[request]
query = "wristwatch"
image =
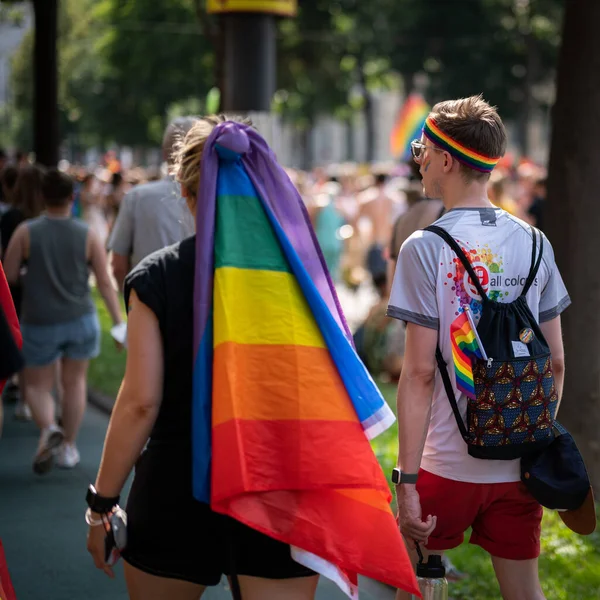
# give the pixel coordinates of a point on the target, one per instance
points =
(398, 477)
(100, 504)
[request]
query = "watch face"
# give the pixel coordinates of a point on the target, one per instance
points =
(396, 476)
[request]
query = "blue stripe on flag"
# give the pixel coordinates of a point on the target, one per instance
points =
(202, 415)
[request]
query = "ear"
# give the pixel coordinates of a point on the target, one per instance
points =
(449, 162)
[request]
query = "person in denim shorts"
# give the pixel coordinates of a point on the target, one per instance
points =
(58, 316)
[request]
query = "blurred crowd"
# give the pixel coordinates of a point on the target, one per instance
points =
(361, 214)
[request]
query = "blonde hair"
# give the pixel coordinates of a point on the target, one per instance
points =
(188, 150)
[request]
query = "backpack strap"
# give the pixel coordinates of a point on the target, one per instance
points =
(535, 264)
(443, 367)
(461, 255)
(441, 363)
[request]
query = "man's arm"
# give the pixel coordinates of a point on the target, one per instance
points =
(415, 392)
(121, 239)
(121, 265)
(552, 331)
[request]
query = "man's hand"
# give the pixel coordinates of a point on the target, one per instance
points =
(409, 518)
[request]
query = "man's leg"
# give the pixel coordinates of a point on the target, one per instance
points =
(518, 579)
(509, 529)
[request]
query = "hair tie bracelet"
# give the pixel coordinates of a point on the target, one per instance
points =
(467, 157)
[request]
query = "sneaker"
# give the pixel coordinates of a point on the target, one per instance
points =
(67, 456)
(11, 392)
(22, 411)
(50, 439)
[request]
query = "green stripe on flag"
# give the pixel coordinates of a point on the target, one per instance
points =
(244, 237)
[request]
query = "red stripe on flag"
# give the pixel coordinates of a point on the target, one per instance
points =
(351, 534)
(258, 456)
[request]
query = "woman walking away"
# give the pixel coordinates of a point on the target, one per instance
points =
(248, 431)
(58, 320)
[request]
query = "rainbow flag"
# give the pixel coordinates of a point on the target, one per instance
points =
(283, 408)
(466, 346)
(408, 126)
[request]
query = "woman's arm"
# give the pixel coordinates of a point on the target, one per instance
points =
(17, 251)
(97, 257)
(138, 400)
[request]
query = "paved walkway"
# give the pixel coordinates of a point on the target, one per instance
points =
(43, 530)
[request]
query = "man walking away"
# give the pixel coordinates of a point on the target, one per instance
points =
(442, 489)
(151, 216)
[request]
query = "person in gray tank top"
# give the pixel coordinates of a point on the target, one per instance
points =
(58, 318)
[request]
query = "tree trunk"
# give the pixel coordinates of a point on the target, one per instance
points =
(307, 149)
(349, 130)
(45, 133)
(369, 114)
(574, 221)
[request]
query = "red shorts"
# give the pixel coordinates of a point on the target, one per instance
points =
(505, 518)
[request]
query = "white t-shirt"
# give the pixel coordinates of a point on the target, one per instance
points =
(430, 285)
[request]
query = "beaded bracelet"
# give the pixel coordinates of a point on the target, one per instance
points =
(91, 521)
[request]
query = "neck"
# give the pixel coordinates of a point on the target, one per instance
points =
(472, 195)
(63, 211)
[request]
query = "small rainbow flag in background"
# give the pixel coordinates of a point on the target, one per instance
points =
(466, 346)
(409, 125)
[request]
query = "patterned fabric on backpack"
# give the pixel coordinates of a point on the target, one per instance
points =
(512, 412)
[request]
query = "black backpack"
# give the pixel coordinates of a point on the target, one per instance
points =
(515, 396)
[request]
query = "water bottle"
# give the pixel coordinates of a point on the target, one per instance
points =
(431, 577)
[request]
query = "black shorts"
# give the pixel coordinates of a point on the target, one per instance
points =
(170, 534)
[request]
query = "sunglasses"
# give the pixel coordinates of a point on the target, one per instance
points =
(417, 149)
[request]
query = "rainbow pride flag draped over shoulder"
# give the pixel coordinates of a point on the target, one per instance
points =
(408, 125)
(283, 408)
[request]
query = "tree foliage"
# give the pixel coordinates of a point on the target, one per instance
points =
(125, 65)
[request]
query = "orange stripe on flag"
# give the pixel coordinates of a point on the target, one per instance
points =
(278, 382)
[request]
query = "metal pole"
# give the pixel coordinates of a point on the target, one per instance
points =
(46, 135)
(250, 61)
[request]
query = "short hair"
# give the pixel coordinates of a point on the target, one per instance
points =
(473, 123)
(57, 188)
(174, 134)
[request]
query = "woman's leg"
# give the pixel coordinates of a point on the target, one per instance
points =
(38, 383)
(143, 586)
(298, 588)
(74, 390)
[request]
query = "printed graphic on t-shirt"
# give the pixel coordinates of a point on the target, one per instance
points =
(487, 266)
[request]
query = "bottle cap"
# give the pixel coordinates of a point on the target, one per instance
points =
(432, 569)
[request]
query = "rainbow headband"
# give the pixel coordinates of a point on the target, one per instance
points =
(467, 157)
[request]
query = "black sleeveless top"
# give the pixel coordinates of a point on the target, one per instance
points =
(164, 281)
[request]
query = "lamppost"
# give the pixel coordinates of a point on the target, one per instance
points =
(250, 61)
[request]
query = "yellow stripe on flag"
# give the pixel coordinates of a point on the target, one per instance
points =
(262, 307)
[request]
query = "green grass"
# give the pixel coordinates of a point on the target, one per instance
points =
(569, 565)
(106, 371)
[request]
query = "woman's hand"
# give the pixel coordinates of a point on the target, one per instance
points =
(95, 545)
